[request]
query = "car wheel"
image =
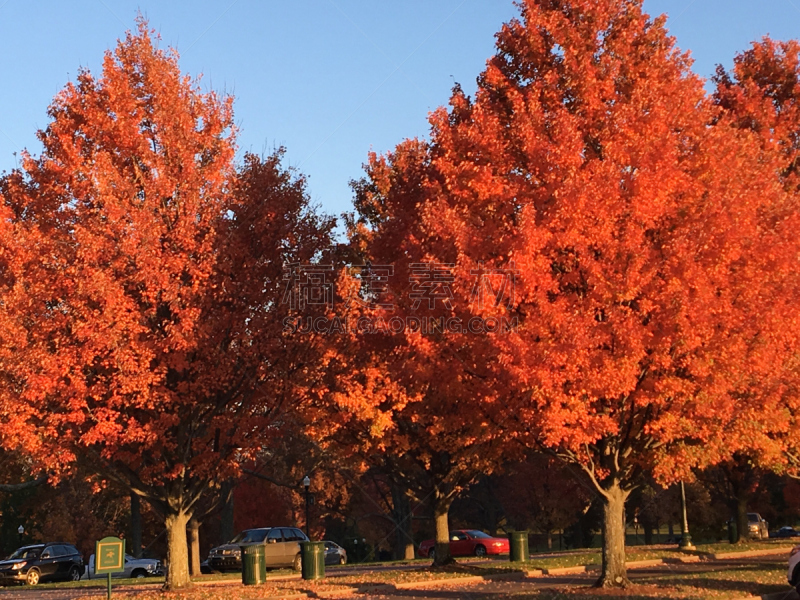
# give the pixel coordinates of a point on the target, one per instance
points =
(74, 574)
(297, 565)
(33, 577)
(139, 574)
(480, 550)
(432, 554)
(796, 578)
(342, 560)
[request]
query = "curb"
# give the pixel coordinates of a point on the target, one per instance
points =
(566, 570)
(677, 560)
(643, 564)
(748, 554)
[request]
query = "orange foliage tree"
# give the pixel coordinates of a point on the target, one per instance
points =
(404, 397)
(761, 95)
(641, 240)
(144, 300)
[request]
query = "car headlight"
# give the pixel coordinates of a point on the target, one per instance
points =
(19, 565)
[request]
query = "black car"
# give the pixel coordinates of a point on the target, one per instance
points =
(52, 561)
(785, 532)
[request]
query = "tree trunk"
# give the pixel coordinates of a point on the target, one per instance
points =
(226, 530)
(614, 573)
(441, 510)
(648, 532)
(177, 551)
(742, 523)
(136, 526)
(193, 531)
(401, 514)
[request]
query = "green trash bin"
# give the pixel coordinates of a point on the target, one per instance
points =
(518, 546)
(732, 533)
(313, 559)
(254, 564)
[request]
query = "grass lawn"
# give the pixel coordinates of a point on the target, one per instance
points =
(745, 546)
(361, 582)
(100, 583)
(587, 558)
(711, 583)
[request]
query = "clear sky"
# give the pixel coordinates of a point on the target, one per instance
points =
(328, 79)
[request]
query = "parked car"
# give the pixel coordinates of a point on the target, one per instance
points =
(677, 539)
(468, 542)
(135, 568)
(335, 554)
(785, 532)
(282, 548)
(794, 568)
(53, 561)
(757, 527)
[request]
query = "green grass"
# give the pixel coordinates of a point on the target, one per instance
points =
(97, 582)
(745, 546)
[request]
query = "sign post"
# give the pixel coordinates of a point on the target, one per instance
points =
(109, 557)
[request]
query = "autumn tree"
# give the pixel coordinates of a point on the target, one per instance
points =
(394, 400)
(642, 242)
(761, 95)
(145, 300)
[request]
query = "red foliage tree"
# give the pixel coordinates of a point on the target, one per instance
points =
(401, 401)
(761, 95)
(148, 300)
(642, 239)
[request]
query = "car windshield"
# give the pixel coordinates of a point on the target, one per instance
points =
(478, 534)
(255, 536)
(752, 517)
(238, 538)
(27, 553)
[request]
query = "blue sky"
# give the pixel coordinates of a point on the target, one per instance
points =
(328, 79)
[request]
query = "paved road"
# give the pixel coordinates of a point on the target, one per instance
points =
(487, 590)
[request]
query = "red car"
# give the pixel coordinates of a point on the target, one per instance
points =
(468, 542)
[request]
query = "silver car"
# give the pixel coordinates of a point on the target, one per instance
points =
(334, 554)
(135, 568)
(281, 548)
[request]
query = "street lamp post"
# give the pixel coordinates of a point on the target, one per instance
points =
(20, 531)
(686, 539)
(306, 485)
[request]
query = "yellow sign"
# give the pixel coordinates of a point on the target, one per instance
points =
(109, 556)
